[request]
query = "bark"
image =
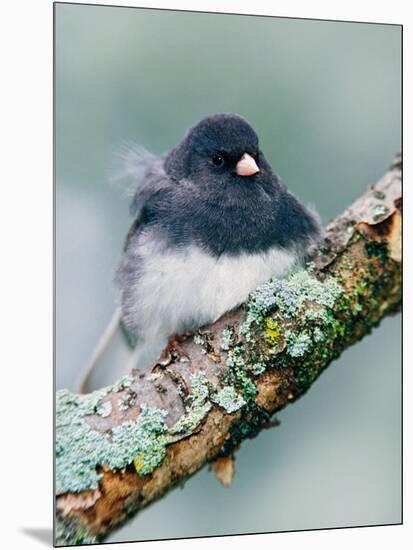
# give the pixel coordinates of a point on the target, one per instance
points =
(122, 447)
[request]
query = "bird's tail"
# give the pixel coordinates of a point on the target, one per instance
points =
(115, 355)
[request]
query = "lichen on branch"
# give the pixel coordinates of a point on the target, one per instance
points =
(122, 447)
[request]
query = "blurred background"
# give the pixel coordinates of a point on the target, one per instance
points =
(324, 97)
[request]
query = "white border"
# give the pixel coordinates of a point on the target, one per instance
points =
(26, 295)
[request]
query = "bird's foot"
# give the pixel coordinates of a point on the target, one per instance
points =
(174, 350)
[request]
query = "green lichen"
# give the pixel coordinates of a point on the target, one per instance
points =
(198, 339)
(312, 314)
(227, 338)
(258, 368)
(73, 436)
(318, 335)
(300, 322)
(122, 383)
(379, 195)
(142, 442)
(235, 358)
(248, 426)
(290, 317)
(285, 324)
(310, 267)
(291, 314)
(205, 339)
(304, 321)
(247, 386)
(288, 296)
(197, 405)
(238, 376)
(199, 387)
(357, 307)
(188, 422)
(298, 344)
(380, 210)
(128, 400)
(80, 449)
(104, 409)
(70, 532)
(229, 399)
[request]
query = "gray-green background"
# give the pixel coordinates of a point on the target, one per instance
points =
(324, 97)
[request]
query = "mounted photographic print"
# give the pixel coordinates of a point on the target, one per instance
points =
(228, 216)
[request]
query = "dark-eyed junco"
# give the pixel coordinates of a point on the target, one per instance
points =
(212, 222)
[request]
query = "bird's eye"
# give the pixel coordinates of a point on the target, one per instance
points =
(217, 160)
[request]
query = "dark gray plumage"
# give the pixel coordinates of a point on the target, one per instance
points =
(211, 222)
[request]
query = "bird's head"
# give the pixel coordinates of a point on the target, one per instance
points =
(220, 150)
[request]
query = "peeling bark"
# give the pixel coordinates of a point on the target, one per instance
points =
(237, 373)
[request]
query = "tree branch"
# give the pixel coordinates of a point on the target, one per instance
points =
(122, 447)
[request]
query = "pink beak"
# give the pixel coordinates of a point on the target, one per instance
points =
(246, 166)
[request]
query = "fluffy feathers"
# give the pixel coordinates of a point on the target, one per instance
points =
(203, 236)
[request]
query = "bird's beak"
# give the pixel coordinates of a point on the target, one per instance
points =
(246, 166)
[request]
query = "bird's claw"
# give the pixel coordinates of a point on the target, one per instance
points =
(174, 350)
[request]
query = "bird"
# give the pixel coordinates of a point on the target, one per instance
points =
(211, 222)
